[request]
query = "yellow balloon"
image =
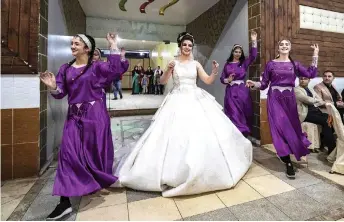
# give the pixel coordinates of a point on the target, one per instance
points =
(162, 9)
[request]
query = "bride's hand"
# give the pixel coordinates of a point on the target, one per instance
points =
(171, 65)
(215, 66)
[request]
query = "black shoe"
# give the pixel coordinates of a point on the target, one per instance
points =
(121, 97)
(61, 210)
(114, 99)
(290, 171)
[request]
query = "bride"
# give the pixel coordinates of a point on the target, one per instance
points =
(191, 146)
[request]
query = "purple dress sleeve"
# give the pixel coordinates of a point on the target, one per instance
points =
(108, 71)
(124, 65)
(224, 74)
(311, 72)
(264, 83)
(250, 59)
(61, 90)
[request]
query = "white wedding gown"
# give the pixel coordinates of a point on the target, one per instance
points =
(191, 146)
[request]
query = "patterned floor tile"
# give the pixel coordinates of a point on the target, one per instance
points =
(255, 171)
(103, 199)
(297, 205)
(154, 209)
(110, 213)
(135, 195)
(268, 185)
(258, 210)
(326, 194)
(198, 204)
(223, 214)
(241, 193)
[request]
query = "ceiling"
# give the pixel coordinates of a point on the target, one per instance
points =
(181, 13)
(129, 45)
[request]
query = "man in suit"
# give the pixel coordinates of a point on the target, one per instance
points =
(328, 92)
(308, 105)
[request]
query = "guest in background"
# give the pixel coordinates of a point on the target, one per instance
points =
(150, 75)
(328, 92)
(144, 84)
(308, 103)
(117, 81)
(141, 74)
(136, 83)
(157, 85)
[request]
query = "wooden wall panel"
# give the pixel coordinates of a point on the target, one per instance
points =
(19, 36)
(282, 20)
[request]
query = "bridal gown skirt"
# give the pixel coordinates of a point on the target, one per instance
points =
(191, 147)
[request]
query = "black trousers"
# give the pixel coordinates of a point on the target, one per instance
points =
(317, 117)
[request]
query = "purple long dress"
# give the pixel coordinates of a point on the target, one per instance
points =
(86, 153)
(283, 118)
(237, 101)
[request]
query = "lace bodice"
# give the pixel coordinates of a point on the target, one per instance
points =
(185, 74)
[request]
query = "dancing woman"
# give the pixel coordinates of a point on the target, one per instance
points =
(238, 102)
(285, 125)
(86, 153)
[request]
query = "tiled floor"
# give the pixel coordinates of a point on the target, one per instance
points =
(132, 102)
(317, 163)
(264, 193)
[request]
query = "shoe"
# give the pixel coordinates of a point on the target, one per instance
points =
(290, 173)
(61, 210)
(114, 99)
(121, 97)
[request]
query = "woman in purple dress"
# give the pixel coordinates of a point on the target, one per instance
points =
(86, 153)
(284, 123)
(238, 102)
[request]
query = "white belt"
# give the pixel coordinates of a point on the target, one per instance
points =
(282, 88)
(237, 82)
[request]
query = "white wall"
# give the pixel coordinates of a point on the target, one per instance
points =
(235, 32)
(58, 53)
(19, 91)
